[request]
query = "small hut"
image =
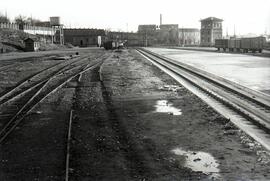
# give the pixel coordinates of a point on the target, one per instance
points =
(31, 44)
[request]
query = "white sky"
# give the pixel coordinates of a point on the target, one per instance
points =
(248, 16)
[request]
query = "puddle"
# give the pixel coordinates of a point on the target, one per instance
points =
(199, 162)
(173, 88)
(164, 106)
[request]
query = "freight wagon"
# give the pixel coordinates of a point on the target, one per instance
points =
(253, 44)
(242, 44)
(234, 45)
(221, 44)
(110, 45)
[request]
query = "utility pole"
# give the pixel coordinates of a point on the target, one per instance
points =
(234, 31)
(127, 35)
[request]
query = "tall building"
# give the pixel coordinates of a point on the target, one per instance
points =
(189, 36)
(211, 29)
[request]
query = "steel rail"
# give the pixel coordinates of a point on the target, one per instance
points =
(256, 113)
(243, 103)
(29, 80)
(31, 103)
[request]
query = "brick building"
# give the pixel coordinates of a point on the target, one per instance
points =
(211, 29)
(83, 37)
(189, 36)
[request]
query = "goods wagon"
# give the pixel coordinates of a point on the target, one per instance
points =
(110, 45)
(242, 44)
(221, 43)
(234, 45)
(253, 44)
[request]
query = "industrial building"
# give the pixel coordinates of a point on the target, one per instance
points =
(211, 29)
(148, 33)
(168, 34)
(83, 37)
(189, 36)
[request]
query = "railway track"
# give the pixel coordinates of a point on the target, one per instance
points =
(36, 78)
(247, 109)
(19, 101)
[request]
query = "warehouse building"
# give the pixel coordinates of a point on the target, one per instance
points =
(83, 37)
(211, 29)
(189, 36)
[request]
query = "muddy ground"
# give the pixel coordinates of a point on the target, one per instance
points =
(130, 122)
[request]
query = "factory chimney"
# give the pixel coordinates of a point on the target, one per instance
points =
(160, 23)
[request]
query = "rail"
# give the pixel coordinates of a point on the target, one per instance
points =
(253, 106)
(19, 105)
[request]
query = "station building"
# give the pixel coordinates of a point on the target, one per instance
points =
(189, 36)
(83, 37)
(211, 29)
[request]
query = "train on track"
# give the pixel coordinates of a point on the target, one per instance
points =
(111, 45)
(244, 45)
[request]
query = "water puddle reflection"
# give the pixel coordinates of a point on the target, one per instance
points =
(199, 162)
(173, 88)
(164, 106)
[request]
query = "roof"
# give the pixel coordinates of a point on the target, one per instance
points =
(83, 32)
(148, 25)
(189, 29)
(31, 38)
(211, 19)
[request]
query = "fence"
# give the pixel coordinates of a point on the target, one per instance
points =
(9, 26)
(29, 29)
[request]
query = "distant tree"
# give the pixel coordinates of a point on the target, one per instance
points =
(32, 21)
(20, 20)
(4, 19)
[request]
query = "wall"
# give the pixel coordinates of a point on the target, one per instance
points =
(83, 37)
(189, 36)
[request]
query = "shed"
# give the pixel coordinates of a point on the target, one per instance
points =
(31, 44)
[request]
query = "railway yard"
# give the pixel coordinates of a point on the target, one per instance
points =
(134, 114)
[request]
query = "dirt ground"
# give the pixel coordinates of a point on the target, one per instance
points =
(119, 135)
(130, 122)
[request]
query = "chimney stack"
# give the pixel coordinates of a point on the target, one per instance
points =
(160, 23)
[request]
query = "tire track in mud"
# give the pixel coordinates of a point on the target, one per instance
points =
(133, 153)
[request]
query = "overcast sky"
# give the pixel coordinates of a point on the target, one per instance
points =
(248, 16)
